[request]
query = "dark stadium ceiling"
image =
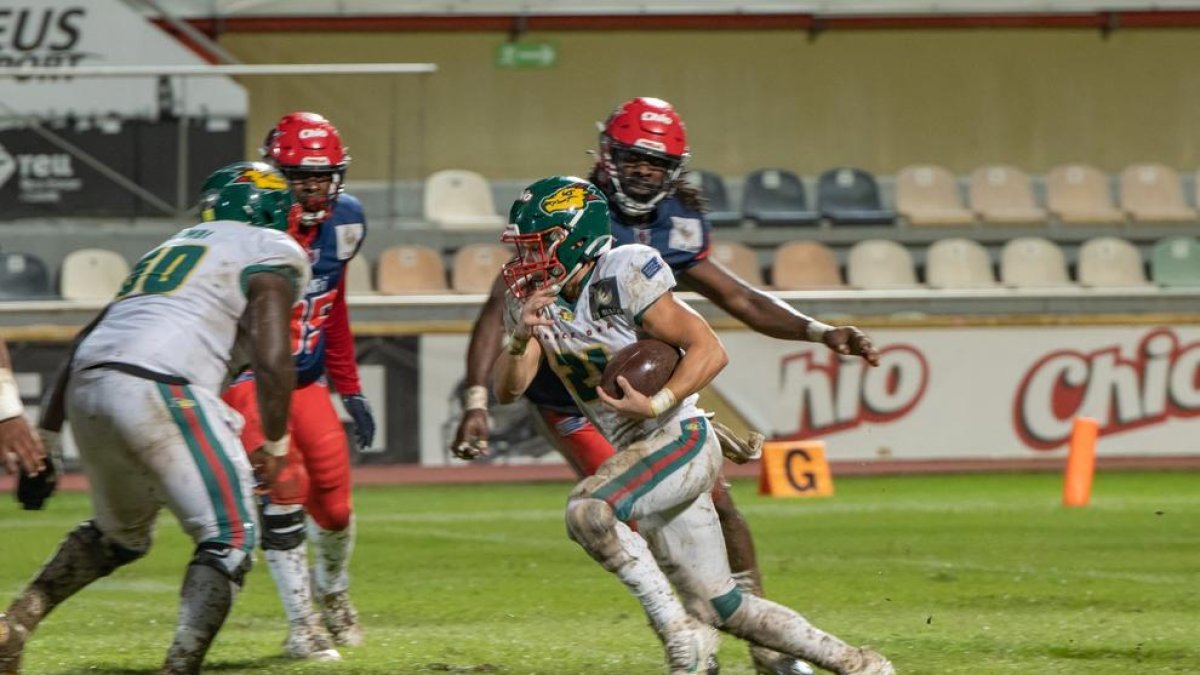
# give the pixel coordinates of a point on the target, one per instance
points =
(193, 9)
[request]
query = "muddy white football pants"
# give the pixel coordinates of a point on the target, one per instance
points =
(145, 444)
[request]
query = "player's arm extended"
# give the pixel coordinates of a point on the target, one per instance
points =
(516, 366)
(764, 313)
(268, 322)
(673, 322)
(487, 337)
(19, 447)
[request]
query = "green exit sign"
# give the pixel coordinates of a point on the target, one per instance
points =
(526, 55)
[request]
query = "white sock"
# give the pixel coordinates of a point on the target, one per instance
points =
(289, 569)
(643, 577)
(782, 629)
(332, 551)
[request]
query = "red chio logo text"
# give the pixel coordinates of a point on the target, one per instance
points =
(841, 394)
(1159, 381)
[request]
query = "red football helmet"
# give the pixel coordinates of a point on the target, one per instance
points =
(642, 130)
(303, 145)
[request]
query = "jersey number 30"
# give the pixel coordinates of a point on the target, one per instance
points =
(162, 270)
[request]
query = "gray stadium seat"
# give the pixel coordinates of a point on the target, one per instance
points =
(23, 277)
(776, 197)
(712, 186)
(849, 196)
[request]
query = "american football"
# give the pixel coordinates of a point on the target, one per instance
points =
(647, 364)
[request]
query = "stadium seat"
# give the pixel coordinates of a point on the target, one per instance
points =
(879, 264)
(958, 263)
(851, 197)
(712, 186)
(1003, 195)
(358, 276)
(776, 197)
(805, 265)
(23, 277)
(1176, 262)
(739, 259)
(1078, 194)
(1152, 193)
(476, 267)
(928, 195)
(456, 199)
(1110, 262)
(1033, 262)
(410, 270)
(92, 274)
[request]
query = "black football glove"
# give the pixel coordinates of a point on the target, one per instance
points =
(33, 491)
(364, 421)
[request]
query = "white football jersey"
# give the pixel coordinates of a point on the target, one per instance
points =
(177, 313)
(606, 318)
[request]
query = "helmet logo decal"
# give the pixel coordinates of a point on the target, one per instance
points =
(652, 145)
(651, 116)
(314, 133)
(266, 180)
(570, 198)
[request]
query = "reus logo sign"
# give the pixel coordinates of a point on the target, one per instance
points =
(1160, 380)
(41, 36)
(8, 166)
(841, 394)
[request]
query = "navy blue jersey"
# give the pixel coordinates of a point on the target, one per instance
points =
(330, 249)
(681, 236)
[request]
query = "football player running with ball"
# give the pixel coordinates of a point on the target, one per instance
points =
(572, 297)
(640, 163)
(141, 389)
(331, 227)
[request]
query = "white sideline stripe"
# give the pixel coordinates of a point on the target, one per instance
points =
(1044, 573)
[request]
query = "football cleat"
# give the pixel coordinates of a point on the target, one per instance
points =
(308, 640)
(691, 648)
(769, 662)
(12, 645)
(341, 619)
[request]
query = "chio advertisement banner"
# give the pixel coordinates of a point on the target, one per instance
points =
(975, 392)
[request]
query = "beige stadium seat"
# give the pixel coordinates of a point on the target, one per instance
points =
(457, 199)
(805, 265)
(476, 267)
(1033, 262)
(92, 274)
(1003, 195)
(410, 270)
(1151, 193)
(958, 263)
(358, 276)
(928, 195)
(739, 259)
(880, 264)
(1078, 194)
(1110, 262)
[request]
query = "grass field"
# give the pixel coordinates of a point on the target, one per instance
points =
(980, 574)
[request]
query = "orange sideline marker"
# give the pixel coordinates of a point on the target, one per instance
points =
(1081, 462)
(794, 469)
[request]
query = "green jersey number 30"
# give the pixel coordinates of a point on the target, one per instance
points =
(162, 270)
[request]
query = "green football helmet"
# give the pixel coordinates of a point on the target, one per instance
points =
(249, 192)
(558, 224)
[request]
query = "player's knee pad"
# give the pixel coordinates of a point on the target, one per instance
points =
(590, 521)
(232, 562)
(106, 554)
(283, 527)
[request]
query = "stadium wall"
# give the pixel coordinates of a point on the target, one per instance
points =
(1033, 98)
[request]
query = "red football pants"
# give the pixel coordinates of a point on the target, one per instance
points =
(585, 448)
(317, 471)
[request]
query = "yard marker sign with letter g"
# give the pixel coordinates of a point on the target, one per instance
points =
(795, 469)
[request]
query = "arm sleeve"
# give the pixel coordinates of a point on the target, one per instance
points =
(643, 277)
(340, 361)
